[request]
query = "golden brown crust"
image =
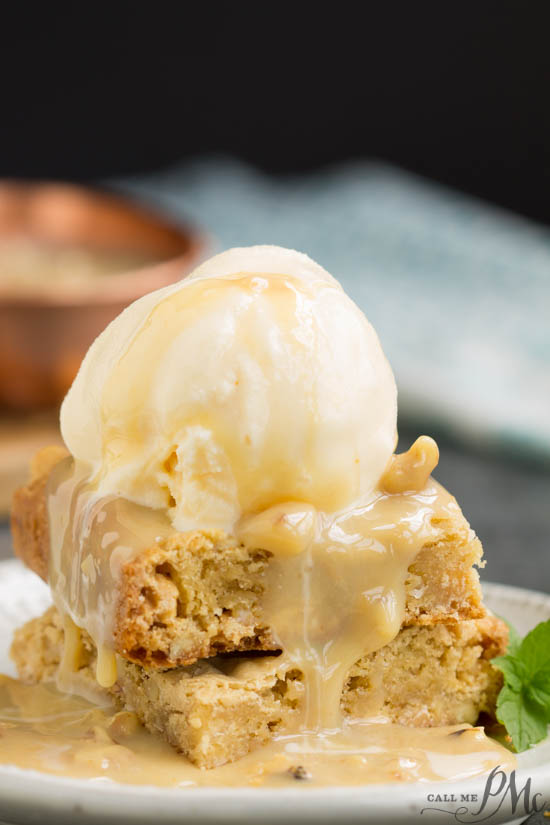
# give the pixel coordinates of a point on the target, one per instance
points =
(218, 710)
(29, 515)
(198, 594)
(444, 576)
(189, 597)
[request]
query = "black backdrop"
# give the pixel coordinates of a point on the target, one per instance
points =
(458, 91)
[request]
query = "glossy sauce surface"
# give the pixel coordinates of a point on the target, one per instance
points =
(334, 591)
(335, 587)
(48, 731)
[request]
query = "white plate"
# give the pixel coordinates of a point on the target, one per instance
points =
(31, 797)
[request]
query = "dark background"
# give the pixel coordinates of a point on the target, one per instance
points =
(456, 91)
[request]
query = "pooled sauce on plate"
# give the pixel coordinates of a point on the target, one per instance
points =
(45, 730)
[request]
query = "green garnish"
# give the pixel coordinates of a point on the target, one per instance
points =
(523, 704)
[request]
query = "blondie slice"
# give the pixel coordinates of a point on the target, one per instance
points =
(217, 710)
(195, 595)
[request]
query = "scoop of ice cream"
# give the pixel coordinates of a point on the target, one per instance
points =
(252, 382)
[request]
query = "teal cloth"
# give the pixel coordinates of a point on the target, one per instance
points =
(458, 291)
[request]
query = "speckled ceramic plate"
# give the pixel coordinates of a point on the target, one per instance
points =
(29, 797)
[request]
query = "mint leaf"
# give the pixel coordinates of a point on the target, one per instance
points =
(521, 718)
(514, 640)
(523, 705)
(535, 656)
(512, 670)
(539, 692)
(535, 648)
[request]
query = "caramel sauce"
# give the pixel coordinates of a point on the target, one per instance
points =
(335, 588)
(334, 592)
(45, 730)
(91, 538)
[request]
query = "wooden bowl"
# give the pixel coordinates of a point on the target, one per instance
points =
(45, 329)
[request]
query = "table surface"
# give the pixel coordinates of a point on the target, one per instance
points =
(507, 503)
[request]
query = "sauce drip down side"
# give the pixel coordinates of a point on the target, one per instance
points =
(335, 588)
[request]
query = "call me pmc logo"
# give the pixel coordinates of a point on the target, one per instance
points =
(500, 789)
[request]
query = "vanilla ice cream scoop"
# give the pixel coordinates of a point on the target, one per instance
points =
(252, 382)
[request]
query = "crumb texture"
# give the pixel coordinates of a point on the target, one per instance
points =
(217, 710)
(439, 675)
(199, 594)
(190, 597)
